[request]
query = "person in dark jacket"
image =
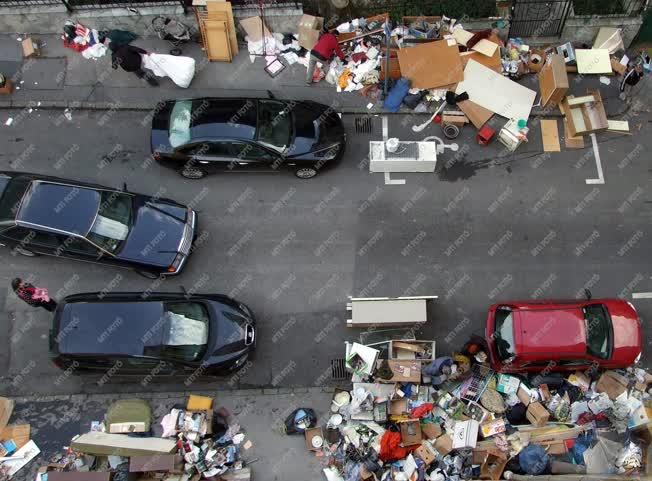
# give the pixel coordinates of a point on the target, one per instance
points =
(323, 52)
(34, 296)
(631, 78)
(130, 58)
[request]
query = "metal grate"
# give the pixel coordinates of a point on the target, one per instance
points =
(338, 369)
(364, 125)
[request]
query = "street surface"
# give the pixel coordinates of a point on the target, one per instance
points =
(487, 228)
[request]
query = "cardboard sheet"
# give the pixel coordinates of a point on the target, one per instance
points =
(550, 135)
(485, 47)
(493, 62)
(431, 65)
(477, 115)
(571, 142)
(462, 36)
(495, 92)
(254, 28)
(593, 61)
(610, 39)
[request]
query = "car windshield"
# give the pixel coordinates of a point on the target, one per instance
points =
(274, 124)
(504, 333)
(186, 332)
(112, 222)
(598, 331)
(180, 119)
(12, 193)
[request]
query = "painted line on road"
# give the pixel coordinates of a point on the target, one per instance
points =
(385, 128)
(642, 295)
(390, 181)
(598, 163)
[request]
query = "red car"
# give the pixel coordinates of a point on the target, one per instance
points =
(527, 336)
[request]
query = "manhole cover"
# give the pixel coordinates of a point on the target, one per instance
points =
(338, 369)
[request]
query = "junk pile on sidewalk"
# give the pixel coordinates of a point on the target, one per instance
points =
(435, 64)
(197, 442)
(17, 448)
(411, 416)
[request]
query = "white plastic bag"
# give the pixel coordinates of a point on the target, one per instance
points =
(181, 70)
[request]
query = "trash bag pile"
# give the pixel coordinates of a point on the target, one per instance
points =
(412, 417)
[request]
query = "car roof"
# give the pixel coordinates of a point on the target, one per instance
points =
(224, 118)
(556, 333)
(110, 328)
(59, 207)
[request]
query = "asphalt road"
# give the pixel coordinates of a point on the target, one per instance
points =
(486, 228)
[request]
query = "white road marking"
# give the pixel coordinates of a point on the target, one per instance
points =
(390, 181)
(642, 295)
(385, 128)
(598, 163)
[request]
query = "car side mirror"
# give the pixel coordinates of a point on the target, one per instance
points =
(271, 95)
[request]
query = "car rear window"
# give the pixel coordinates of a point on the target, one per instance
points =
(12, 193)
(180, 119)
(112, 222)
(598, 331)
(504, 333)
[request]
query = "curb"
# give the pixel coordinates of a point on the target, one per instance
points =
(298, 391)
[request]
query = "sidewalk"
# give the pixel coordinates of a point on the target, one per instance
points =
(54, 420)
(62, 78)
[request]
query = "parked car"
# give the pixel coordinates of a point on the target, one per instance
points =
(166, 333)
(88, 222)
(208, 135)
(568, 335)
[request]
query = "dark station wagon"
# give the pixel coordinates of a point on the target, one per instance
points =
(130, 333)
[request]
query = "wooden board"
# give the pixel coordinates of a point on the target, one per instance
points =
(493, 62)
(553, 81)
(391, 312)
(431, 65)
(18, 432)
(225, 7)
(550, 135)
(121, 445)
(477, 115)
(495, 92)
(593, 61)
(485, 47)
(218, 46)
(570, 141)
(621, 126)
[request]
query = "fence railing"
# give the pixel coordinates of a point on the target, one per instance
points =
(607, 8)
(73, 5)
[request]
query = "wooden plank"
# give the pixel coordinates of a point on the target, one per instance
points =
(18, 432)
(550, 135)
(571, 142)
(477, 115)
(580, 100)
(431, 65)
(218, 45)
(225, 7)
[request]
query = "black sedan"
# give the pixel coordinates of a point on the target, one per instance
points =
(88, 222)
(132, 333)
(207, 135)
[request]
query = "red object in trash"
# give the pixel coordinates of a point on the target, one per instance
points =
(437, 119)
(485, 135)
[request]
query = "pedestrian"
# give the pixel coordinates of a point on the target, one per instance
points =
(130, 58)
(323, 51)
(440, 369)
(631, 78)
(32, 295)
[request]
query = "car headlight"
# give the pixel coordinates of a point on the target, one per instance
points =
(174, 267)
(638, 358)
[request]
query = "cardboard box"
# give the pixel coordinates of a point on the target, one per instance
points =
(79, 476)
(523, 394)
(311, 433)
(507, 384)
(426, 453)
(431, 430)
(610, 385)
(495, 426)
(255, 28)
(398, 407)
(444, 444)
(465, 434)
(410, 432)
(553, 81)
(167, 463)
(545, 392)
(537, 414)
(587, 116)
(309, 30)
(404, 371)
(30, 48)
(199, 403)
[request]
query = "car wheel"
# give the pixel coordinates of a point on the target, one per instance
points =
(306, 173)
(192, 173)
(149, 274)
(25, 252)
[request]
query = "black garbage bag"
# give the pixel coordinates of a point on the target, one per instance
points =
(300, 420)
